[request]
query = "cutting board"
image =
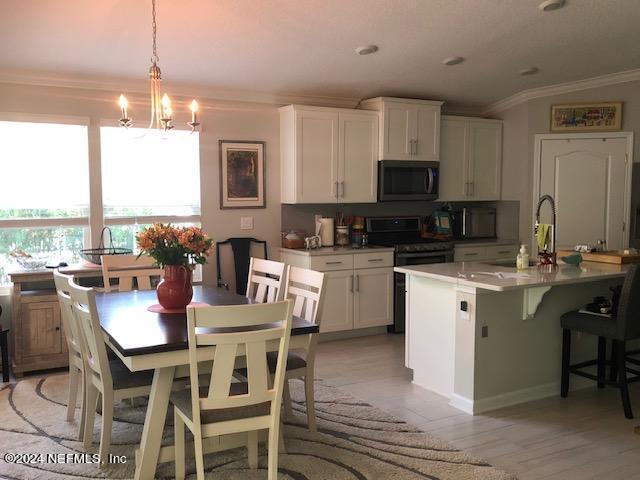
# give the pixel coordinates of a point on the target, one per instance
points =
(613, 256)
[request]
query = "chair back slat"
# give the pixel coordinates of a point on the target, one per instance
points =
(259, 324)
(69, 323)
(628, 315)
(264, 283)
(125, 268)
(92, 339)
(305, 287)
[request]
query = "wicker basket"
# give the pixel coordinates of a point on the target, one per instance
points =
(94, 255)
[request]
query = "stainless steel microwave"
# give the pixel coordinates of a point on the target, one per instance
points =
(407, 180)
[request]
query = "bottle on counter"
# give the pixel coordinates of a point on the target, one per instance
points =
(522, 260)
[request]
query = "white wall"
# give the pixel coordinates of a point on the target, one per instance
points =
(220, 120)
(525, 120)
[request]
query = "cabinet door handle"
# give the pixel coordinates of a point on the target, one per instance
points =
(415, 146)
(333, 263)
(341, 189)
(466, 189)
(473, 188)
(470, 254)
(504, 252)
(337, 192)
(351, 289)
(357, 283)
(375, 259)
(57, 329)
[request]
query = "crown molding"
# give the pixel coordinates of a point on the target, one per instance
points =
(113, 84)
(560, 88)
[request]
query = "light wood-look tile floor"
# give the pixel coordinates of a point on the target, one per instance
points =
(582, 437)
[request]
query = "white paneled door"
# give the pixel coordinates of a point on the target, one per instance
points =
(590, 180)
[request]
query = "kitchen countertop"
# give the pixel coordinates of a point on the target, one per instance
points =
(337, 250)
(486, 242)
(484, 276)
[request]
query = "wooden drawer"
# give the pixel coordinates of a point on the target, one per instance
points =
(470, 254)
(373, 259)
(500, 252)
(328, 263)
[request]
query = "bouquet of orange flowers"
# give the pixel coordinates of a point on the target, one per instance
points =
(169, 245)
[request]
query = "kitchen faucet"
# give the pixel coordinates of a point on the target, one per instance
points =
(552, 202)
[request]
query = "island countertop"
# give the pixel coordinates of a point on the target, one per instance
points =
(500, 278)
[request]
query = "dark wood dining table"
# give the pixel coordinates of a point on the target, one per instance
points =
(146, 340)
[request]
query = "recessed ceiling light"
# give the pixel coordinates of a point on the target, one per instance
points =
(551, 5)
(529, 71)
(449, 61)
(367, 50)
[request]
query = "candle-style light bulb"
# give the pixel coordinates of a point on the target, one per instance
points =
(166, 106)
(194, 110)
(123, 105)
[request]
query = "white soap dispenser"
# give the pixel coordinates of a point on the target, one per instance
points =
(522, 260)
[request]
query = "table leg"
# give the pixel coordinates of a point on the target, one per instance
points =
(154, 423)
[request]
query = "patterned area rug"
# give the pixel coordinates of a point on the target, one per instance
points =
(355, 441)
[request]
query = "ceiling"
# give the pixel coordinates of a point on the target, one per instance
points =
(306, 47)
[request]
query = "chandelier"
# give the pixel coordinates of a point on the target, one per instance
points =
(161, 111)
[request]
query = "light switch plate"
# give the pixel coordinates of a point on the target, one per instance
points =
(246, 223)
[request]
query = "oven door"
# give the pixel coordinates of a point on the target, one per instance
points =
(407, 180)
(399, 296)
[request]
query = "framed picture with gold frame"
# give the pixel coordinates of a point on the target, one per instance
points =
(242, 180)
(586, 117)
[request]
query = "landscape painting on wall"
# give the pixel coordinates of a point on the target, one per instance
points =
(242, 174)
(595, 117)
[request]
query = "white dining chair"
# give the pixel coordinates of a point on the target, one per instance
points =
(125, 268)
(305, 288)
(264, 284)
(72, 337)
(226, 406)
(111, 379)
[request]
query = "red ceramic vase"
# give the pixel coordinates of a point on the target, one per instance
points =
(175, 291)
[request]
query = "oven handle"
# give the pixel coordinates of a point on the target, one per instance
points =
(439, 253)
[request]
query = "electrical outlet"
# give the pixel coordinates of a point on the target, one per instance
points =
(246, 223)
(464, 310)
(485, 331)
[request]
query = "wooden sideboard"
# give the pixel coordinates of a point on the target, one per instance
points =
(38, 341)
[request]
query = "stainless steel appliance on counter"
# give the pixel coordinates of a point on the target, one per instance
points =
(474, 222)
(403, 234)
(407, 180)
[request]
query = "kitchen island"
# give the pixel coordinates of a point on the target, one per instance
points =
(488, 336)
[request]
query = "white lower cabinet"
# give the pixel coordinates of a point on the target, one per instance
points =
(373, 297)
(337, 309)
(354, 297)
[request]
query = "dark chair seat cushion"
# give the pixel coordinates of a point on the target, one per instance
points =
(294, 361)
(182, 401)
(125, 378)
(593, 324)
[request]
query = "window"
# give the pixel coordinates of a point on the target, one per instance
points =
(149, 173)
(44, 200)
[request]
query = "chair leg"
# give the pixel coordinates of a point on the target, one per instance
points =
(311, 404)
(286, 398)
(252, 449)
(107, 425)
(4, 351)
(566, 359)
(613, 374)
(178, 434)
(622, 375)
(74, 377)
(83, 405)
(272, 462)
(90, 415)
(602, 361)
(283, 446)
(199, 452)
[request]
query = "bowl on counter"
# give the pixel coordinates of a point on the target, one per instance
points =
(32, 263)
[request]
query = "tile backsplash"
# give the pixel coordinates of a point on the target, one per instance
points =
(300, 217)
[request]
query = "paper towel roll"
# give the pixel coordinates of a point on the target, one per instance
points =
(326, 232)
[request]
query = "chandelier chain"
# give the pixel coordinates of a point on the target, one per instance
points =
(155, 58)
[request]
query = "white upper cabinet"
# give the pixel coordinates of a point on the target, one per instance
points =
(470, 159)
(328, 155)
(409, 129)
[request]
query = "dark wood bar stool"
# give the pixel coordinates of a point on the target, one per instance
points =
(623, 327)
(4, 351)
